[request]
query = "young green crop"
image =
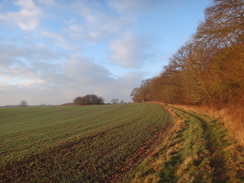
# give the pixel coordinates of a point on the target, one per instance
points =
(74, 144)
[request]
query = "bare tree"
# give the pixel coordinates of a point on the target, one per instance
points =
(23, 103)
(208, 69)
(114, 101)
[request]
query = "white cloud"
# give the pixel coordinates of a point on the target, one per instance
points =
(26, 65)
(86, 76)
(81, 76)
(60, 40)
(53, 35)
(16, 54)
(85, 69)
(51, 64)
(92, 22)
(104, 27)
(21, 76)
(122, 87)
(27, 18)
(129, 51)
(77, 77)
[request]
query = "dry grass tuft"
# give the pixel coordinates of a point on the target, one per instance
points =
(151, 179)
(235, 121)
(231, 116)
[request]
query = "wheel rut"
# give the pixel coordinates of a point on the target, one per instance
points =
(215, 142)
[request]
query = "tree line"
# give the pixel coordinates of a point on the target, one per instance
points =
(90, 99)
(207, 69)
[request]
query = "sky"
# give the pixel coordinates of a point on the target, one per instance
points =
(52, 51)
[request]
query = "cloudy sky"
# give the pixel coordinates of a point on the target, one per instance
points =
(52, 51)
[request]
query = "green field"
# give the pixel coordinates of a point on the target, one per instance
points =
(75, 144)
(116, 143)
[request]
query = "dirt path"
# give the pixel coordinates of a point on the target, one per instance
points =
(197, 149)
(214, 144)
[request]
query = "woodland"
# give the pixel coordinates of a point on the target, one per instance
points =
(208, 69)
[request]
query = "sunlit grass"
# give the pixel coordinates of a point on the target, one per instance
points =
(197, 149)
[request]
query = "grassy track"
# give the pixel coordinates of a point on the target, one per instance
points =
(74, 144)
(197, 149)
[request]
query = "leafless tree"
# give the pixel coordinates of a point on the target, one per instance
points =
(23, 103)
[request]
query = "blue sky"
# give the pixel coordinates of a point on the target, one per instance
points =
(52, 51)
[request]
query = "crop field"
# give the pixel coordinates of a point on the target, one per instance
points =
(76, 144)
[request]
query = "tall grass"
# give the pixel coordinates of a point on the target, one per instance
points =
(234, 120)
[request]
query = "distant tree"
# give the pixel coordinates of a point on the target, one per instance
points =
(78, 100)
(90, 99)
(23, 103)
(115, 101)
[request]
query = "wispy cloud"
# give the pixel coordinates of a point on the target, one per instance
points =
(52, 51)
(27, 18)
(130, 50)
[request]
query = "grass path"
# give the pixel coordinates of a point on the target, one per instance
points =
(197, 149)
